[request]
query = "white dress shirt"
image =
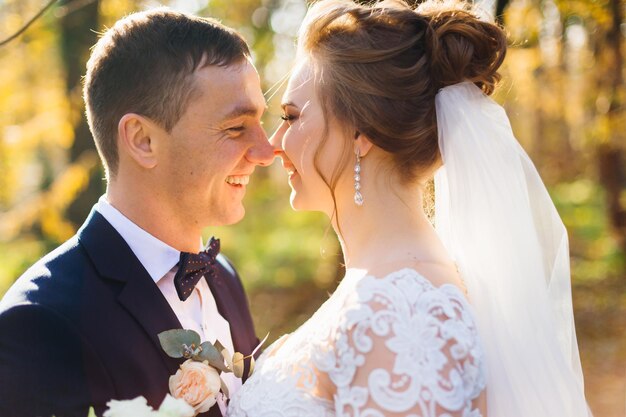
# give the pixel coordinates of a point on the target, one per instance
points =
(199, 312)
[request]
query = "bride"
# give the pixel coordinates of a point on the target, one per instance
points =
(470, 318)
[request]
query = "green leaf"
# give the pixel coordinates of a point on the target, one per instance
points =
(212, 355)
(219, 346)
(92, 412)
(238, 364)
(224, 388)
(174, 341)
(226, 357)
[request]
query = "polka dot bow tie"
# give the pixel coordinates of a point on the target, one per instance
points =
(193, 266)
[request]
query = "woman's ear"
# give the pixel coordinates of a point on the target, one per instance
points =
(135, 139)
(362, 143)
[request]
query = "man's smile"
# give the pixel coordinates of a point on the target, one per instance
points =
(238, 179)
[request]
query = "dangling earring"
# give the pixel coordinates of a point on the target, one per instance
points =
(358, 197)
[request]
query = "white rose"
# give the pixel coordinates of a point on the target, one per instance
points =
(197, 383)
(174, 407)
(137, 407)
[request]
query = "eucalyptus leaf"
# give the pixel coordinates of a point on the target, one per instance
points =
(238, 364)
(219, 346)
(224, 388)
(212, 355)
(174, 341)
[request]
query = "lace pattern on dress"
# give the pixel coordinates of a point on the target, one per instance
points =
(405, 346)
(386, 346)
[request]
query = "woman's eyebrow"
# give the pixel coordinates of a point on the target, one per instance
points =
(288, 104)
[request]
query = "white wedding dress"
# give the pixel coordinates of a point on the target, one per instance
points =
(392, 346)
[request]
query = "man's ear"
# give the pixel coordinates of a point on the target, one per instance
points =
(135, 139)
(362, 143)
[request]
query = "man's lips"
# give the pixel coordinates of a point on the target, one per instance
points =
(238, 179)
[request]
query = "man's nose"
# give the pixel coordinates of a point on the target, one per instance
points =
(262, 153)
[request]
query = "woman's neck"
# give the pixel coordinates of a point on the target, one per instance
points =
(390, 227)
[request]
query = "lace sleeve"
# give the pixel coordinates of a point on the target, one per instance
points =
(404, 347)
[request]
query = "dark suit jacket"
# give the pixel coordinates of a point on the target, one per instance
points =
(80, 327)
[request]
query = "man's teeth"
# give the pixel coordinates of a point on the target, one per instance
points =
(238, 180)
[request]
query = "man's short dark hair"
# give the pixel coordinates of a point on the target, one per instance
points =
(144, 64)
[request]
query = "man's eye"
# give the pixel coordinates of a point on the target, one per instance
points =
(236, 128)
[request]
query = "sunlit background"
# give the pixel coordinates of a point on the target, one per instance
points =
(563, 88)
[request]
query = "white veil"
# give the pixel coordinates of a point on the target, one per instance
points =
(498, 222)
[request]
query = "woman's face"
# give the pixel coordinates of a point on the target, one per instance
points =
(297, 139)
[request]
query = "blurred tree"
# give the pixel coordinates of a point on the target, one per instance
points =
(612, 149)
(500, 7)
(79, 24)
(26, 25)
(603, 21)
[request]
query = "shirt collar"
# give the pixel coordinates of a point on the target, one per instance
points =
(156, 256)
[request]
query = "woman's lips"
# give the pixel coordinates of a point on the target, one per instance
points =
(291, 172)
(289, 167)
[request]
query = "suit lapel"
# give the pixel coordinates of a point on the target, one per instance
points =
(140, 296)
(145, 302)
(230, 308)
(227, 307)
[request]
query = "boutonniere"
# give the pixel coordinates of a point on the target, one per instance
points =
(198, 379)
(196, 385)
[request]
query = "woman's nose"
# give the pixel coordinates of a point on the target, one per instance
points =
(276, 140)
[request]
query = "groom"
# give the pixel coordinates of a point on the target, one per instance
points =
(174, 105)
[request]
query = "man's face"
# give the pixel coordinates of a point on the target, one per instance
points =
(207, 159)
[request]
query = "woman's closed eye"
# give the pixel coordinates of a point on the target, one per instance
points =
(289, 118)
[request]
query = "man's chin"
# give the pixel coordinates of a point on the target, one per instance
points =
(232, 217)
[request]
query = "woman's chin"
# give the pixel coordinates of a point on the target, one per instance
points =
(299, 203)
(295, 202)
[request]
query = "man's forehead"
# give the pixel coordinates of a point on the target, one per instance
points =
(233, 75)
(234, 89)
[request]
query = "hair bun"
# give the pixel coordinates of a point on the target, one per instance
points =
(461, 46)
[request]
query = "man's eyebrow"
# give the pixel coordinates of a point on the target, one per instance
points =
(240, 111)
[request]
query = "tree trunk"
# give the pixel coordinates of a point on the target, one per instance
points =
(611, 153)
(612, 178)
(500, 7)
(78, 29)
